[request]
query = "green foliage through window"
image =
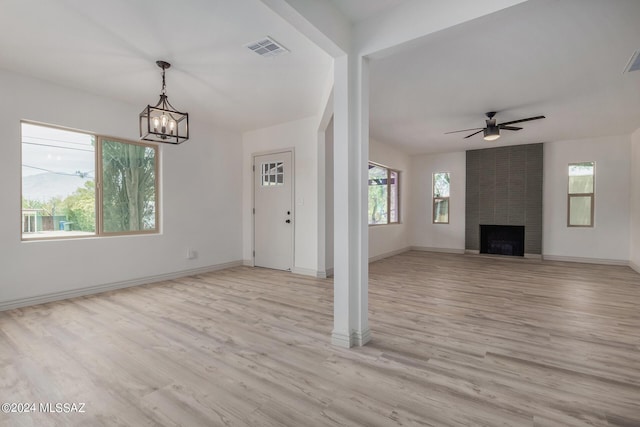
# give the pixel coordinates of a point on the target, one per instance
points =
(441, 191)
(128, 187)
(59, 193)
(383, 195)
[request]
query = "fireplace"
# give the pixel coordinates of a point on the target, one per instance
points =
(502, 239)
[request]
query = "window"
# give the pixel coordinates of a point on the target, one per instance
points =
(384, 193)
(272, 174)
(441, 186)
(129, 186)
(581, 194)
(60, 197)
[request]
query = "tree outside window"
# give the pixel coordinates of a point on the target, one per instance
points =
(384, 190)
(60, 197)
(441, 190)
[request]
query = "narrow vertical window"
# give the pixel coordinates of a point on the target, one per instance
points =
(441, 189)
(393, 197)
(384, 195)
(581, 197)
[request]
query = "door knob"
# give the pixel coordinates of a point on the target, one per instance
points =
(288, 221)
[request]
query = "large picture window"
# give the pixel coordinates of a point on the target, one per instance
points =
(77, 184)
(384, 191)
(441, 187)
(581, 198)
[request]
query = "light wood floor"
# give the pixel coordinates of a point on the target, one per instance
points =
(457, 341)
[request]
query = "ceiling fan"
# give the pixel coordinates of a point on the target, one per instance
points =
(492, 130)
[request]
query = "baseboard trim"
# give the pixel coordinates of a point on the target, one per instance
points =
(472, 251)
(305, 271)
(388, 254)
(340, 339)
(325, 274)
(634, 266)
(91, 290)
(360, 338)
(356, 338)
(440, 250)
(602, 261)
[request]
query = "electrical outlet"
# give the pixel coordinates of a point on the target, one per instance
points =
(191, 254)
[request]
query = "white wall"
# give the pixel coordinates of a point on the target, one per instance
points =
(200, 199)
(609, 239)
(424, 233)
(634, 257)
(385, 240)
(328, 208)
(301, 135)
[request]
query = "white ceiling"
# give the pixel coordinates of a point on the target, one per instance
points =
(110, 47)
(359, 10)
(559, 58)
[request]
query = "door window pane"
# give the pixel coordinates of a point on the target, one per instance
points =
(272, 174)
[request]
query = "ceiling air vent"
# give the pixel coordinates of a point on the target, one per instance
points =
(267, 47)
(634, 62)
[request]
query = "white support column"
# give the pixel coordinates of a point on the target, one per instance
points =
(351, 154)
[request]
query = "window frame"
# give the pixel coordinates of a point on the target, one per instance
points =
(98, 189)
(435, 199)
(591, 195)
(388, 208)
(100, 193)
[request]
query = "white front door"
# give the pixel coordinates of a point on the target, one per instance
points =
(273, 215)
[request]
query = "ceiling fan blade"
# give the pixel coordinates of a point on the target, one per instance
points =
(509, 127)
(522, 120)
(463, 130)
(475, 133)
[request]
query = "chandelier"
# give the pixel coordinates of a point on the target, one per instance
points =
(162, 122)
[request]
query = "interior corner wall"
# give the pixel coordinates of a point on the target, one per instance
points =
(608, 240)
(424, 234)
(200, 197)
(302, 136)
(387, 240)
(634, 258)
(328, 204)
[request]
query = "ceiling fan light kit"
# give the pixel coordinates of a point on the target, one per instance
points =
(162, 122)
(491, 133)
(492, 130)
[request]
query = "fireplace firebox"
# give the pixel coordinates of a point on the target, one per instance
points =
(502, 239)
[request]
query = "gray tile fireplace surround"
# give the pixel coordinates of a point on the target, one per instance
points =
(504, 187)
